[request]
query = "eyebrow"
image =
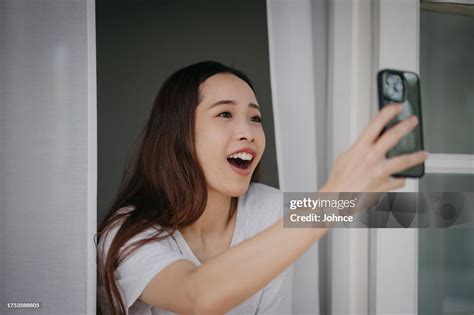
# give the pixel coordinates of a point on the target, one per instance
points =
(232, 102)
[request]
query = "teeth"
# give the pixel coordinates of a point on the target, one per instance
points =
(242, 155)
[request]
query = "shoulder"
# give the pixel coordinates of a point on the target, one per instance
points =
(114, 224)
(111, 231)
(263, 194)
(262, 205)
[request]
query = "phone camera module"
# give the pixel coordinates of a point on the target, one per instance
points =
(393, 88)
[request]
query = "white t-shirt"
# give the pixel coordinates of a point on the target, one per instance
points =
(259, 208)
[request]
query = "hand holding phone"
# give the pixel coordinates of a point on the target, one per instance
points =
(403, 87)
(364, 166)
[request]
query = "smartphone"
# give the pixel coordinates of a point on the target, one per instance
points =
(397, 86)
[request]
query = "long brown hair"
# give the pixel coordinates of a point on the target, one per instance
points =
(163, 180)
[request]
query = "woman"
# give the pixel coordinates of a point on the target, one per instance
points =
(190, 231)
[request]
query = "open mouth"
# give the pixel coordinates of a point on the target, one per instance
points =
(241, 160)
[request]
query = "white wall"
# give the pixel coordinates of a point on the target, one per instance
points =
(394, 265)
(350, 99)
(47, 155)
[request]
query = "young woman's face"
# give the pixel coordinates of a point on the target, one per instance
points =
(229, 136)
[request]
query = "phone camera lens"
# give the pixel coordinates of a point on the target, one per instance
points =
(394, 87)
(390, 91)
(390, 79)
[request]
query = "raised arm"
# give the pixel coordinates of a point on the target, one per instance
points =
(230, 278)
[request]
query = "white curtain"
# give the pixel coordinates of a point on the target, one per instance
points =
(47, 155)
(297, 32)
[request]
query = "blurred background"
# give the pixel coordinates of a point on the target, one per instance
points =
(77, 82)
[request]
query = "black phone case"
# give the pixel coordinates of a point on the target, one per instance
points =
(412, 97)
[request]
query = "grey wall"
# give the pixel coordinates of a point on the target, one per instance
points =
(140, 43)
(47, 162)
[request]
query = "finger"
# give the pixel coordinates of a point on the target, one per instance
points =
(386, 114)
(402, 162)
(392, 136)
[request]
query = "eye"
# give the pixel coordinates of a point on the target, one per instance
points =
(257, 119)
(225, 115)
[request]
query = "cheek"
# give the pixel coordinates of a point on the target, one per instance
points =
(210, 149)
(261, 141)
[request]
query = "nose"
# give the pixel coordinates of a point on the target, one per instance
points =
(244, 131)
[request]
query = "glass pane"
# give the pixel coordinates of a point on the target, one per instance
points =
(446, 182)
(447, 81)
(446, 256)
(446, 271)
